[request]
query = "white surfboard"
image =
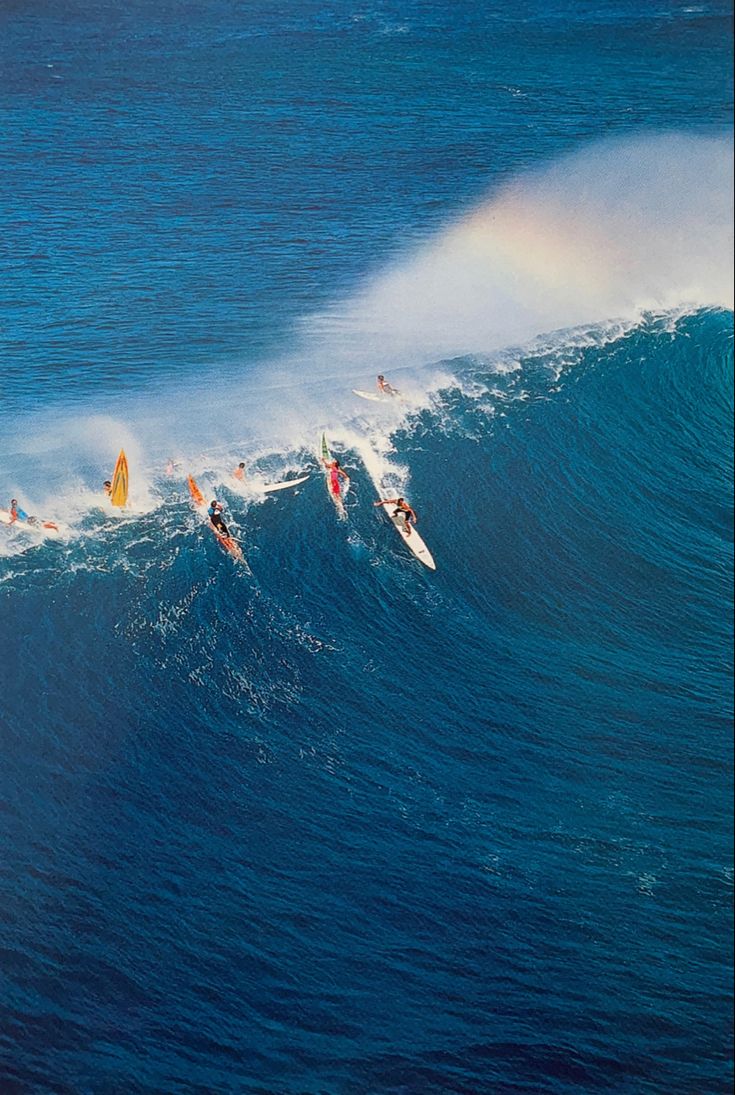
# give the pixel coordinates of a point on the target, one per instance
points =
(412, 540)
(270, 487)
(377, 397)
(372, 396)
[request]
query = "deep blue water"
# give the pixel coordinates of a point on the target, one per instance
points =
(330, 822)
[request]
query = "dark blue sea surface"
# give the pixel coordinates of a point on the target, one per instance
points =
(327, 822)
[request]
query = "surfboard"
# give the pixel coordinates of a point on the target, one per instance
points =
(42, 527)
(228, 542)
(372, 396)
(270, 487)
(338, 499)
(196, 495)
(412, 540)
(119, 492)
(377, 397)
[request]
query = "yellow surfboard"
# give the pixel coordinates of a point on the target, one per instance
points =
(119, 495)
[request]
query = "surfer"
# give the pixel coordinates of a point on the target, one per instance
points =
(336, 472)
(107, 486)
(239, 472)
(385, 388)
(402, 510)
(18, 514)
(215, 517)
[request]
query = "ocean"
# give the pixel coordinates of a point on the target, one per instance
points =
(327, 822)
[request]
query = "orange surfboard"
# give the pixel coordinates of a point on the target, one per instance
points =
(196, 494)
(228, 543)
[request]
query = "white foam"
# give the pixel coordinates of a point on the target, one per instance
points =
(584, 245)
(614, 230)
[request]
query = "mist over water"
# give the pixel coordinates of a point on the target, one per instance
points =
(618, 228)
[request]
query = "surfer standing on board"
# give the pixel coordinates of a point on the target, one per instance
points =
(402, 510)
(107, 487)
(336, 472)
(385, 388)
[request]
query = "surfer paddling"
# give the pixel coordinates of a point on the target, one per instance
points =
(336, 473)
(402, 510)
(216, 519)
(385, 388)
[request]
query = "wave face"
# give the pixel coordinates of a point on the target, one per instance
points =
(328, 822)
(266, 820)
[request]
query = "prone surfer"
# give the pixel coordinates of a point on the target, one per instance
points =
(336, 472)
(402, 510)
(216, 519)
(385, 388)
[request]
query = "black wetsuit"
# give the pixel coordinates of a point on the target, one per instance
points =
(218, 523)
